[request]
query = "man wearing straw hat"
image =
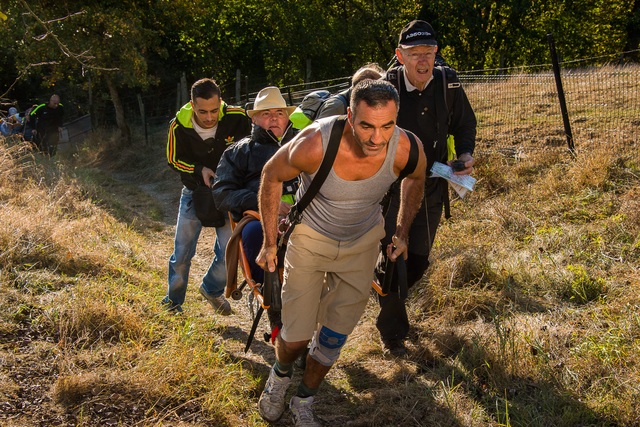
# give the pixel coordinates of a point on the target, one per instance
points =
(236, 185)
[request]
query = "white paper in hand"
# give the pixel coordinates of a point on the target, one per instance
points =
(460, 183)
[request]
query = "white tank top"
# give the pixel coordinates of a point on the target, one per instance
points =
(345, 210)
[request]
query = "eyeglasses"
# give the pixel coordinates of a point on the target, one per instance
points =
(415, 56)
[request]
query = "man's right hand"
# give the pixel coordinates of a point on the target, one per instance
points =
(267, 259)
(207, 176)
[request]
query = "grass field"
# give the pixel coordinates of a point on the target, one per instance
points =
(528, 316)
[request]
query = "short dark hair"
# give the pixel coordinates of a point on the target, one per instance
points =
(374, 93)
(206, 89)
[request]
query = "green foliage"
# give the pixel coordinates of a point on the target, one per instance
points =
(583, 288)
(140, 45)
(487, 34)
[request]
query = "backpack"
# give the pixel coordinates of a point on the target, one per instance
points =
(308, 109)
(311, 103)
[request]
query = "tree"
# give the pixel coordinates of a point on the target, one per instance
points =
(104, 40)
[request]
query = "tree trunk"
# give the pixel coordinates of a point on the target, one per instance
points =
(123, 127)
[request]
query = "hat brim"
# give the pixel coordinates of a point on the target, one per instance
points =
(419, 43)
(289, 110)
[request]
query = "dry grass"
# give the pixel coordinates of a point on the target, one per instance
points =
(528, 315)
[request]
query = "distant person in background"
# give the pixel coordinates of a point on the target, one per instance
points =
(48, 120)
(198, 135)
(12, 124)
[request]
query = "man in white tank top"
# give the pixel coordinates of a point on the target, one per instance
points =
(328, 266)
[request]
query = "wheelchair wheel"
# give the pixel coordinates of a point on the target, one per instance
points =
(236, 295)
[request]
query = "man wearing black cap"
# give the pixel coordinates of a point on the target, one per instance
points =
(432, 116)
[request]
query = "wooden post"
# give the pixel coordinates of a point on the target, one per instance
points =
(246, 88)
(238, 86)
(178, 100)
(144, 119)
(308, 78)
(184, 93)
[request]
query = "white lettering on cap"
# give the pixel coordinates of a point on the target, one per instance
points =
(419, 33)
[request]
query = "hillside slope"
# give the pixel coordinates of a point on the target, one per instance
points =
(528, 315)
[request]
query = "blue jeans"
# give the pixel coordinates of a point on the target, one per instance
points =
(188, 230)
(251, 243)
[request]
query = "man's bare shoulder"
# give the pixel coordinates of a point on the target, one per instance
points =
(305, 150)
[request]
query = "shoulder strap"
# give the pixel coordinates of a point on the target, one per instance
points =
(393, 76)
(445, 92)
(413, 156)
(454, 83)
(323, 170)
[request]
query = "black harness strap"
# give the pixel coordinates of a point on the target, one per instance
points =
(412, 162)
(325, 166)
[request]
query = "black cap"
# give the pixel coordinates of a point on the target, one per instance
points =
(417, 33)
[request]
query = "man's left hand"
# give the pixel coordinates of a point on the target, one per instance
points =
(397, 247)
(469, 161)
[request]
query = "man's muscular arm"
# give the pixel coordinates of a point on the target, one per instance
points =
(411, 195)
(302, 154)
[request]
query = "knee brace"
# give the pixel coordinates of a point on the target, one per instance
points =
(326, 345)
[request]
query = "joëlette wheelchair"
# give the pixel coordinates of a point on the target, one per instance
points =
(261, 296)
(267, 295)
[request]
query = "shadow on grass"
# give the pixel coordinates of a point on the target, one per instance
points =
(457, 364)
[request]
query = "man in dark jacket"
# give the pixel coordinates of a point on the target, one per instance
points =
(198, 136)
(47, 120)
(238, 179)
(425, 111)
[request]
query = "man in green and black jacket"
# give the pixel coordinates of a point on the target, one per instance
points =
(198, 136)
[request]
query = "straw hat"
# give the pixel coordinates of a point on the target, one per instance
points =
(268, 98)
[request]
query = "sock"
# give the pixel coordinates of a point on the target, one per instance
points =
(283, 370)
(304, 391)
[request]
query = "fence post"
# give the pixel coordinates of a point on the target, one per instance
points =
(246, 86)
(178, 97)
(184, 92)
(307, 80)
(144, 119)
(563, 102)
(238, 85)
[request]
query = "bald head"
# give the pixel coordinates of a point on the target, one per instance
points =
(54, 101)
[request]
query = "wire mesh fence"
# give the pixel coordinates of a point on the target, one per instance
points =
(520, 111)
